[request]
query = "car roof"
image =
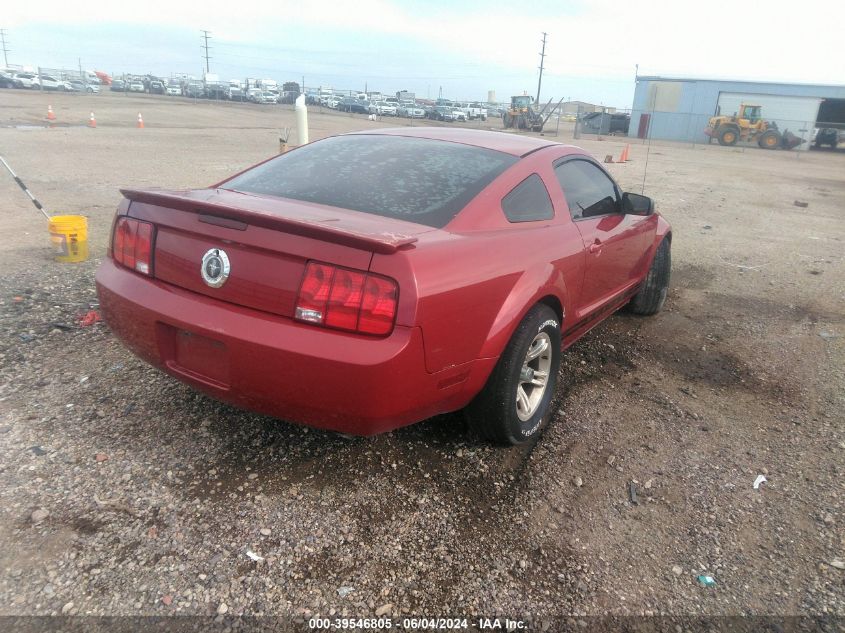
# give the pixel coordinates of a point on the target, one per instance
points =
(508, 143)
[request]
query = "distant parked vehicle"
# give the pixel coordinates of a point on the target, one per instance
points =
(351, 104)
(494, 110)
(48, 82)
(827, 136)
(267, 97)
(290, 91)
(26, 80)
(447, 113)
(236, 94)
(117, 85)
(216, 91)
(474, 111)
(383, 108)
(6, 80)
(157, 88)
(289, 96)
(411, 111)
(79, 86)
(437, 113)
(136, 86)
(195, 90)
(173, 89)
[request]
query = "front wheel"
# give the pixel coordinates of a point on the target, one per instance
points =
(514, 405)
(770, 139)
(652, 294)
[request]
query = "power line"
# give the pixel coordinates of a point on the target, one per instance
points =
(542, 60)
(205, 46)
(6, 51)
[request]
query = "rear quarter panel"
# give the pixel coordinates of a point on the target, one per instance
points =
(468, 286)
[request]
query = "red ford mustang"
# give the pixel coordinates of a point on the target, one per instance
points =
(371, 280)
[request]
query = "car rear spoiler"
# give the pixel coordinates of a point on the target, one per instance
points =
(326, 229)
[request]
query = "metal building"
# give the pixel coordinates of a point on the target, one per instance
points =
(676, 108)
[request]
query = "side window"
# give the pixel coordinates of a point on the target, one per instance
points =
(528, 201)
(588, 190)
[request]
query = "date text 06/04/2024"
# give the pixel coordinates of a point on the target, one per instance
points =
(417, 623)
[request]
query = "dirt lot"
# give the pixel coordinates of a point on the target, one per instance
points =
(153, 494)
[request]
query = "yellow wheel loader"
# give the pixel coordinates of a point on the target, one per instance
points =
(748, 125)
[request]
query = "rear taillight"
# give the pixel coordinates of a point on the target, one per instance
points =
(345, 299)
(132, 244)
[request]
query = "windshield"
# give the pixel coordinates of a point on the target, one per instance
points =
(413, 179)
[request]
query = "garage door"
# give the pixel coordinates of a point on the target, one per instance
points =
(796, 114)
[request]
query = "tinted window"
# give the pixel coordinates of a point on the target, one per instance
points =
(413, 179)
(528, 201)
(588, 190)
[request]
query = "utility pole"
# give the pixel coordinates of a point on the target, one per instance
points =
(542, 61)
(205, 46)
(5, 50)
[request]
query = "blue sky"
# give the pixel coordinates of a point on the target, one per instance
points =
(465, 47)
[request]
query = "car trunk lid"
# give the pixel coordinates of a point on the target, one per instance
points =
(268, 241)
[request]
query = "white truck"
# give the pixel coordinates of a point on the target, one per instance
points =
(269, 85)
(324, 95)
(473, 110)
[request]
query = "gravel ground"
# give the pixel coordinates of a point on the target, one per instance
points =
(123, 492)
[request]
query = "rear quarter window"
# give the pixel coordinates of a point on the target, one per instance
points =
(528, 201)
(418, 180)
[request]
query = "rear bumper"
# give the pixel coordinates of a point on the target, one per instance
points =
(276, 366)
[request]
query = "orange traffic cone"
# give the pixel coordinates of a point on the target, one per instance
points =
(140, 121)
(50, 115)
(92, 122)
(624, 157)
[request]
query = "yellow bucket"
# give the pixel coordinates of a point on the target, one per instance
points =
(69, 237)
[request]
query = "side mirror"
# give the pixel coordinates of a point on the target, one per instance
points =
(635, 204)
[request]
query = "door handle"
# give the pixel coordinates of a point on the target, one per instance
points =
(595, 247)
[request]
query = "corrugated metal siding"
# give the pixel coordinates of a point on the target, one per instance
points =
(698, 101)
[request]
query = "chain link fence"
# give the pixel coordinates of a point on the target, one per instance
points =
(695, 129)
(572, 119)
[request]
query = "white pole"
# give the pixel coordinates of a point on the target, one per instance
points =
(301, 120)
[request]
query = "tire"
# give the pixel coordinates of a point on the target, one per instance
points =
(652, 294)
(770, 139)
(727, 135)
(497, 413)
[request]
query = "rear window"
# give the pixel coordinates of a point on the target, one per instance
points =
(412, 179)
